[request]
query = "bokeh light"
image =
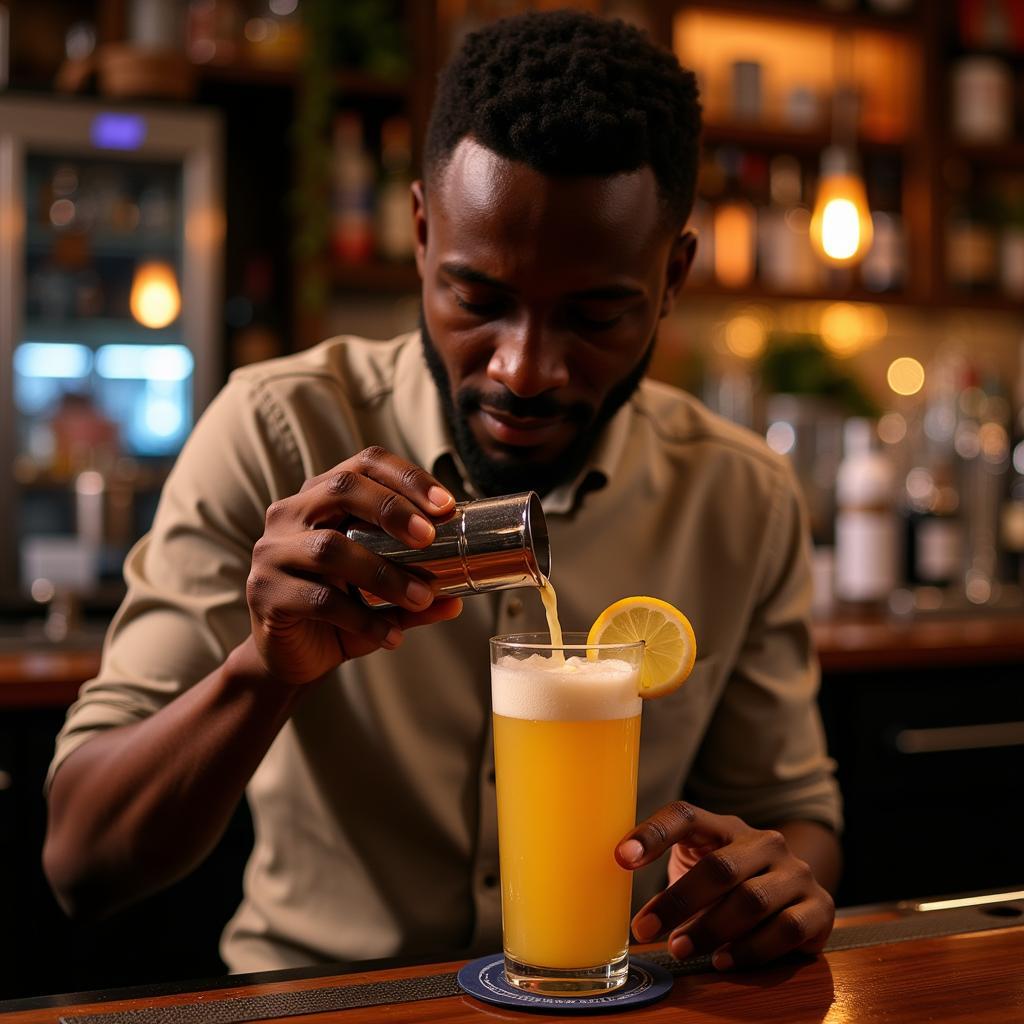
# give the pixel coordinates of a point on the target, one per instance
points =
(905, 376)
(745, 336)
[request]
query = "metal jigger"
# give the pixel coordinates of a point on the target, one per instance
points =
(490, 544)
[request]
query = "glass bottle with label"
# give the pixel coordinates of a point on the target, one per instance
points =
(866, 534)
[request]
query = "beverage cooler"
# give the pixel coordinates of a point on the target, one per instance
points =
(111, 234)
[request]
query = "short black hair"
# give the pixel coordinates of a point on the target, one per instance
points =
(568, 93)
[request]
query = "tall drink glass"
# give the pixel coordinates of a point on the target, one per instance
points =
(566, 746)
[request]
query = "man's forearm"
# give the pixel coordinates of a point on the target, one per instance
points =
(819, 847)
(135, 808)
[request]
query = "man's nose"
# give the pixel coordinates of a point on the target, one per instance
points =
(529, 359)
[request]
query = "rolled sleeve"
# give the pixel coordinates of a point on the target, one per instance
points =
(185, 607)
(764, 757)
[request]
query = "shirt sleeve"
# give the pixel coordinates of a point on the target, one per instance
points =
(184, 609)
(763, 757)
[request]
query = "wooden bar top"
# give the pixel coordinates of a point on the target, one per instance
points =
(44, 679)
(37, 678)
(973, 977)
(849, 645)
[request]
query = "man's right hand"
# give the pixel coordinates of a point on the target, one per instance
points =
(306, 619)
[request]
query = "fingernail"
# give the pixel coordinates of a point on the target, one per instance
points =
(420, 528)
(722, 960)
(682, 947)
(647, 927)
(418, 593)
(632, 850)
(439, 497)
(393, 639)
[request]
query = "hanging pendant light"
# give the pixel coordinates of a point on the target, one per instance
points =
(841, 229)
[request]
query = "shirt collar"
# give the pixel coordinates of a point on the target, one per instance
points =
(424, 428)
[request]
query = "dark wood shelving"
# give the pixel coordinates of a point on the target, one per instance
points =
(1009, 155)
(793, 10)
(378, 277)
(788, 140)
(346, 81)
(949, 299)
(757, 291)
(954, 298)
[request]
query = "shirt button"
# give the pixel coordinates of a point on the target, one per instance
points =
(490, 881)
(515, 607)
(491, 777)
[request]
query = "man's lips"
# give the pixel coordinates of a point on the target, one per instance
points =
(519, 431)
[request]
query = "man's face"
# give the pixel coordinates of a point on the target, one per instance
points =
(541, 298)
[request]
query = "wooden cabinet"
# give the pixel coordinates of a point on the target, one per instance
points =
(930, 765)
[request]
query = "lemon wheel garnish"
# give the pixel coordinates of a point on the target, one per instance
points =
(670, 646)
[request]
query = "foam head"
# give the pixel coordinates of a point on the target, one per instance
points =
(576, 690)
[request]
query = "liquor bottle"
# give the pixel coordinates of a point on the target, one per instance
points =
(786, 260)
(735, 221)
(710, 188)
(971, 245)
(934, 531)
(866, 533)
(1011, 243)
(393, 215)
(982, 442)
(884, 266)
(354, 175)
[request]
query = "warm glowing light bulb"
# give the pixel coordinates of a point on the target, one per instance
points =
(155, 300)
(841, 228)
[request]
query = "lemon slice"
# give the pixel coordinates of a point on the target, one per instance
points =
(670, 646)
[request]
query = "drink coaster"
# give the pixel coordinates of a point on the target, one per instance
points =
(485, 979)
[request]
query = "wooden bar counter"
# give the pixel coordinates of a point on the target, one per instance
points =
(974, 977)
(40, 678)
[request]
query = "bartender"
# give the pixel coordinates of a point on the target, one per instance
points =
(558, 178)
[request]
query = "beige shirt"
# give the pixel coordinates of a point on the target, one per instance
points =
(374, 808)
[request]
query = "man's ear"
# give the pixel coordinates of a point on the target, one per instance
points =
(680, 259)
(419, 225)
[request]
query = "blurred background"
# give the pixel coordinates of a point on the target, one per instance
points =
(186, 187)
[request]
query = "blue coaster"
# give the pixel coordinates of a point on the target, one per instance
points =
(485, 979)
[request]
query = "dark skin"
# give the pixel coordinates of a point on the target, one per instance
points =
(137, 807)
(525, 290)
(528, 289)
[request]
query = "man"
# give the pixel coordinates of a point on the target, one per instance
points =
(559, 175)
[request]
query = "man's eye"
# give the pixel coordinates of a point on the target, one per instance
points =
(477, 308)
(597, 323)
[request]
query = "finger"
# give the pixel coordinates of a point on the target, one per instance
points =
(396, 474)
(712, 877)
(277, 600)
(803, 926)
(347, 495)
(737, 914)
(443, 609)
(331, 556)
(678, 822)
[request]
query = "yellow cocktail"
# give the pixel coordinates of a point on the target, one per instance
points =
(566, 743)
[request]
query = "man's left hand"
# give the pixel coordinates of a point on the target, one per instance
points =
(735, 891)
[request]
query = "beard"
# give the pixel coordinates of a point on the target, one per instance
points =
(513, 472)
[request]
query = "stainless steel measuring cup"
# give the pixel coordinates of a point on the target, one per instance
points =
(490, 544)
